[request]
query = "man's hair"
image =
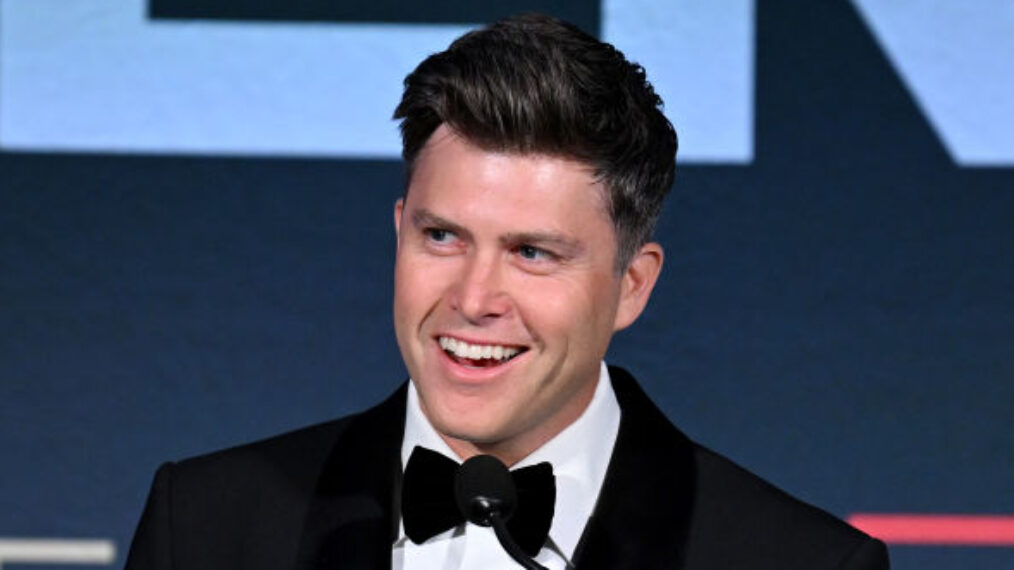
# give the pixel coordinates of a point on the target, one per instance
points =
(536, 84)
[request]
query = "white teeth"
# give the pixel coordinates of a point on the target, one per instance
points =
(462, 349)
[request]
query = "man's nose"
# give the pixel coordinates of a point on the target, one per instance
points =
(479, 294)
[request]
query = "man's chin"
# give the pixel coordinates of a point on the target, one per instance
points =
(474, 434)
(471, 433)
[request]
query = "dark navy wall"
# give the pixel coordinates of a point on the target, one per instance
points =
(837, 314)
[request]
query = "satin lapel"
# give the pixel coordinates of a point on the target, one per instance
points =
(643, 512)
(350, 521)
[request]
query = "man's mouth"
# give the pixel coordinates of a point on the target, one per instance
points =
(478, 355)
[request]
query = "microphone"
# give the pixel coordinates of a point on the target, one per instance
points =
(486, 496)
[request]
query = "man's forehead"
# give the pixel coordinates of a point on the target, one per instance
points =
(447, 135)
(432, 160)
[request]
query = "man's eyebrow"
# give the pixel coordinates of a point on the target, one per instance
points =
(562, 243)
(423, 218)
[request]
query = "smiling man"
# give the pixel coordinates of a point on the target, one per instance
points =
(538, 159)
(507, 292)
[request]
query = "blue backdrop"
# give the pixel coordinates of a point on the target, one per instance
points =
(196, 246)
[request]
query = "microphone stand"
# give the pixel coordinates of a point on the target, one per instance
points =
(508, 544)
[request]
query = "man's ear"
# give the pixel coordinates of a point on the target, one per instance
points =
(638, 280)
(399, 207)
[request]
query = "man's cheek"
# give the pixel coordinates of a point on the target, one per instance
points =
(549, 302)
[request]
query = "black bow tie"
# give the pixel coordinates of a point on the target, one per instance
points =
(428, 507)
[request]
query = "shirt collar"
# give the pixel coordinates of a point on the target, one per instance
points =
(579, 455)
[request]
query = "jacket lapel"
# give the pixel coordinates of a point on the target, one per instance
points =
(350, 521)
(642, 515)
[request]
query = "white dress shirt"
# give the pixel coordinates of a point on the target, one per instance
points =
(579, 455)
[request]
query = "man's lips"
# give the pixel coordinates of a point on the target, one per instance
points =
(478, 355)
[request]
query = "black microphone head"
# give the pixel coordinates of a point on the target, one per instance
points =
(483, 486)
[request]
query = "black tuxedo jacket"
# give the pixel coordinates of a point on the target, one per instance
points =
(327, 497)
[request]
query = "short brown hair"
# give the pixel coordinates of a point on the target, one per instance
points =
(536, 84)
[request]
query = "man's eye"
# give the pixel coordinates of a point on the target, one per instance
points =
(532, 253)
(438, 235)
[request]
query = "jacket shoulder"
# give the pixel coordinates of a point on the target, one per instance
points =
(248, 506)
(283, 455)
(240, 507)
(256, 481)
(741, 520)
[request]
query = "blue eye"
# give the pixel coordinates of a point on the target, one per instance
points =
(438, 235)
(532, 253)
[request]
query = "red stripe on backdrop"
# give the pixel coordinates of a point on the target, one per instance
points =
(945, 530)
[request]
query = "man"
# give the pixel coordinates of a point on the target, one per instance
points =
(537, 159)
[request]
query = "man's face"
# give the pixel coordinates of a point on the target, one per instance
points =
(506, 293)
